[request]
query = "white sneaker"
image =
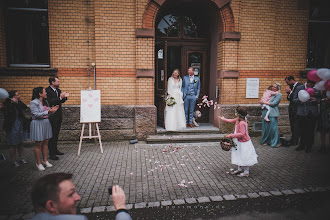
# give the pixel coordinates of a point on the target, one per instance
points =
(16, 164)
(47, 164)
(23, 160)
(40, 167)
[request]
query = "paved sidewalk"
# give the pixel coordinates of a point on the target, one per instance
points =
(156, 173)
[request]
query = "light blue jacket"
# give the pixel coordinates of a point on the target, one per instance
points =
(37, 109)
(185, 86)
(274, 102)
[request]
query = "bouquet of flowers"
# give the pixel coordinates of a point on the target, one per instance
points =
(227, 144)
(170, 101)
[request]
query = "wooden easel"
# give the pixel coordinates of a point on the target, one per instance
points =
(90, 136)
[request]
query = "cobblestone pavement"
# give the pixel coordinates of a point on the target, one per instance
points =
(163, 173)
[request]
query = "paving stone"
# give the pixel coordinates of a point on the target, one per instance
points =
(98, 209)
(166, 203)
(320, 189)
(203, 199)
(15, 217)
(28, 216)
(153, 204)
(140, 205)
(253, 195)
(287, 192)
(298, 190)
(191, 200)
(129, 206)
(229, 197)
(216, 198)
(241, 196)
(328, 187)
(264, 194)
(86, 210)
(110, 208)
(178, 202)
(3, 217)
(276, 193)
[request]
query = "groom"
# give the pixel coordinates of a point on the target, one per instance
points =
(190, 90)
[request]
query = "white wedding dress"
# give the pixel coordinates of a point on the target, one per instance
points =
(175, 118)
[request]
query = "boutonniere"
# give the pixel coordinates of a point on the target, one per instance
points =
(195, 81)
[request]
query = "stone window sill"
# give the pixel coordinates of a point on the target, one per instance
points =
(28, 71)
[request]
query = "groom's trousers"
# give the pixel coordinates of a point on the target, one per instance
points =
(189, 106)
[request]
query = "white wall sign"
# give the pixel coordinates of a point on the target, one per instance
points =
(90, 106)
(252, 88)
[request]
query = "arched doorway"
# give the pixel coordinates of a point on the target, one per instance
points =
(185, 35)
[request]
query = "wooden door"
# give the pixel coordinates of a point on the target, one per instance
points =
(196, 56)
(160, 81)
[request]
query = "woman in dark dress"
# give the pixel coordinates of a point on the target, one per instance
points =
(16, 126)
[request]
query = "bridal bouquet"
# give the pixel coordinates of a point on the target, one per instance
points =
(170, 101)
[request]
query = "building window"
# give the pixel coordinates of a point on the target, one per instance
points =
(27, 33)
(318, 49)
(181, 26)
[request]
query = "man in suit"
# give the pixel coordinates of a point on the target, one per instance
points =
(190, 89)
(54, 197)
(55, 97)
(293, 84)
(307, 113)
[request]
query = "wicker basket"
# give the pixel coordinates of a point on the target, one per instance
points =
(226, 144)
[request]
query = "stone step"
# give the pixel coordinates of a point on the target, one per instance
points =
(205, 128)
(183, 138)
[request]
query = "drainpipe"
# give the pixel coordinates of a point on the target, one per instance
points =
(93, 65)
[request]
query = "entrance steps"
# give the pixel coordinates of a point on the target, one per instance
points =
(204, 133)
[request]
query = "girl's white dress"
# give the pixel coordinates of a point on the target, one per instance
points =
(175, 118)
(245, 155)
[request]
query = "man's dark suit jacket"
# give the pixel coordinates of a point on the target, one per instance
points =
(304, 108)
(54, 100)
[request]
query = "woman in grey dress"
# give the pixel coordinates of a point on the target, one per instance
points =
(15, 124)
(40, 128)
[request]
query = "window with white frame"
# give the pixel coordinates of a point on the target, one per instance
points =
(27, 33)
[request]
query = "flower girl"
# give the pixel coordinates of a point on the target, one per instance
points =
(245, 155)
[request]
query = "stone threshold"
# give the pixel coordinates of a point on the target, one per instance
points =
(205, 199)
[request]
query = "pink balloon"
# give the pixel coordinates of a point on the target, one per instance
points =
(310, 91)
(327, 85)
(312, 75)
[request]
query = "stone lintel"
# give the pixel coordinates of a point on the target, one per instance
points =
(221, 3)
(230, 36)
(228, 74)
(145, 33)
(145, 73)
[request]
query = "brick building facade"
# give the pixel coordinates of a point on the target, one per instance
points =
(247, 39)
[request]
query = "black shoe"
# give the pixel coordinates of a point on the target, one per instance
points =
(299, 148)
(59, 153)
(54, 157)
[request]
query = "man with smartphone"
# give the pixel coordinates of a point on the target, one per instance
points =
(54, 197)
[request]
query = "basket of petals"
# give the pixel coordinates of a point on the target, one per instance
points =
(227, 143)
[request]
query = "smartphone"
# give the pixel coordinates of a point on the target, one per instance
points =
(110, 190)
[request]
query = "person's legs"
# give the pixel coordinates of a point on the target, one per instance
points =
(44, 149)
(310, 129)
(191, 108)
(302, 125)
(12, 153)
(20, 149)
(267, 113)
(186, 108)
(37, 151)
(293, 125)
(247, 169)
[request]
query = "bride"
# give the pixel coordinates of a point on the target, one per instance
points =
(175, 118)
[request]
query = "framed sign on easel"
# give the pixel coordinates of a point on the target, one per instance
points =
(90, 113)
